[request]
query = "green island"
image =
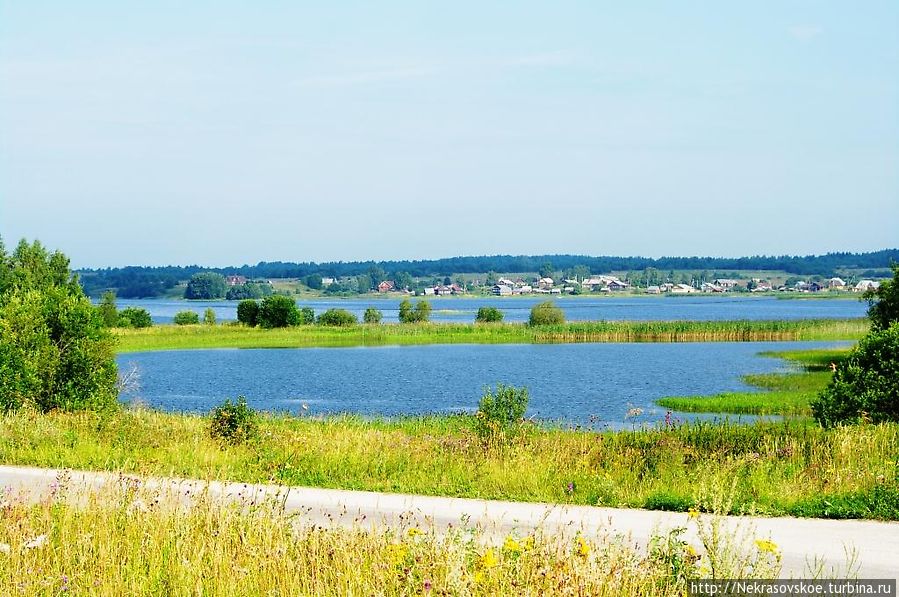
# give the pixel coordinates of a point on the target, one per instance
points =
(169, 337)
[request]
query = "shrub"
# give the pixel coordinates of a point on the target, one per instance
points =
(206, 286)
(883, 303)
(337, 317)
(186, 318)
(54, 351)
(248, 312)
(135, 317)
(108, 312)
(209, 316)
(278, 311)
(489, 315)
(372, 315)
(500, 413)
(546, 313)
(307, 316)
(421, 313)
(233, 422)
(865, 385)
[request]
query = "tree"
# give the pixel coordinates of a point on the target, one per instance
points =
(307, 316)
(488, 315)
(206, 286)
(546, 270)
(314, 281)
(579, 272)
(209, 316)
(186, 318)
(865, 386)
(883, 302)
(135, 317)
(422, 311)
(407, 314)
(250, 290)
(248, 312)
(372, 316)
(403, 281)
(278, 311)
(546, 313)
(363, 284)
(107, 308)
(54, 350)
(337, 317)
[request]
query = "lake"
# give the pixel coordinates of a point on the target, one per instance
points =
(644, 308)
(576, 383)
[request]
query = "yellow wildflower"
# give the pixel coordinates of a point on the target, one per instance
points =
(528, 543)
(693, 512)
(582, 547)
(398, 553)
(691, 551)
(489, 559)
(766, 546)
(511, 545)
(414, 532)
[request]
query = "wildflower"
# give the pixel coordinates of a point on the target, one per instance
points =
(37, 542)
(398, 553)
(528, 543)
(489, 559)
(414, 532)
(569, 489)
(511, 545)
(427, 585)
(766, 546)
(138, 505)
(693, 512)
(691, 551)
(4, 548)
(582, 547)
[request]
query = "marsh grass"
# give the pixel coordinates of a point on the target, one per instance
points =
(782, 467)
(165, 337)
(123, 539)
(786, 394)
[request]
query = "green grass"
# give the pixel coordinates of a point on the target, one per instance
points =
(785, 394)
(170, 337)
(788, 467)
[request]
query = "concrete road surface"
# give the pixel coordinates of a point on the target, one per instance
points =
(806, 544)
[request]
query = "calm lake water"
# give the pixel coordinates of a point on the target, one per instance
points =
(577, 383)
(459, 309)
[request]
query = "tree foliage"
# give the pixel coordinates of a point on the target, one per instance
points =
(488, 315)
(883, 302)
(278, 311)
(109, 314)
(186, 318)
(54, 350)
(248, 312)
(250, 290)
(209, 316)
(372, 316)
(206, 286)
(337, 317)
(546, 313)
(420, 313)
(500, 413)
(135, 317)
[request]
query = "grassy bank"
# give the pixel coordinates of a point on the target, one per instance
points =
(791, 467)
(129, 541)
(170, 337)
(785, 394)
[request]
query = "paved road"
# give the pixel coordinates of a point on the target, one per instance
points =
(803, 542)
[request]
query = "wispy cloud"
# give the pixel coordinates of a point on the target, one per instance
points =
(365, 77)
(805, 32)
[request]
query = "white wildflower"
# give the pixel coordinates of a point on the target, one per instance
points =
(37, 542)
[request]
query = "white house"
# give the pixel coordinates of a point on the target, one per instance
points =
(865, 285)
(502, 290)
(836, 283)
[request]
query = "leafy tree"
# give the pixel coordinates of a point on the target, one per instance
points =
(403, 280)
(278, 311)
(248, 312)
(54, 350)
(233, 422)
(337, 317)
(883, 302)
(579, 272)
(107, 308)
(546, 313)
(492, 278)
(186, 318)
(407, 313)
(314, 281)
(865, 386)
(250, 290)
(135, 317)
(546, 270)
(372, 316)
(206, 286)
(376, 275)
(209, 316)
(307, 316)
(422, 311)
(489, 315)
(500, 413)
(363, 284)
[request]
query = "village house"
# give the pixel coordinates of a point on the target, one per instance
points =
(545, 283)
(682, 289)
(653, 290)
(866, 285)
(726, 284)
(502, 290)
(235, 280)
(386, 286)
(836, 284)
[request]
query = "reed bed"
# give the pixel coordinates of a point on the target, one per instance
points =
(128, 541)
(170, 337)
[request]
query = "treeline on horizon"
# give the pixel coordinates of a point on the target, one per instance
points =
(142, 282)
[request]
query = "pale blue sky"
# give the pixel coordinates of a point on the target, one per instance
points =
(231, 132)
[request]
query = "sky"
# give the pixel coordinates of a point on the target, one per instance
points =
(223, 133)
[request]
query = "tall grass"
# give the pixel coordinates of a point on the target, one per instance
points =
(786, 467)
(128, 541)
(234, 336)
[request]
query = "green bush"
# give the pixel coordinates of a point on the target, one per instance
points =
(233, 422)
(135, 317)
(186, 318)
(372, 316)
(209, 316)
(337, 317)
(500, 413)
(108, 312)
(865, 386)
(420, 313)
(278, 311)
(248, 312)
(546, 313)
(54, 350)
(307, 316)
(488, 315)
(883, 303)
